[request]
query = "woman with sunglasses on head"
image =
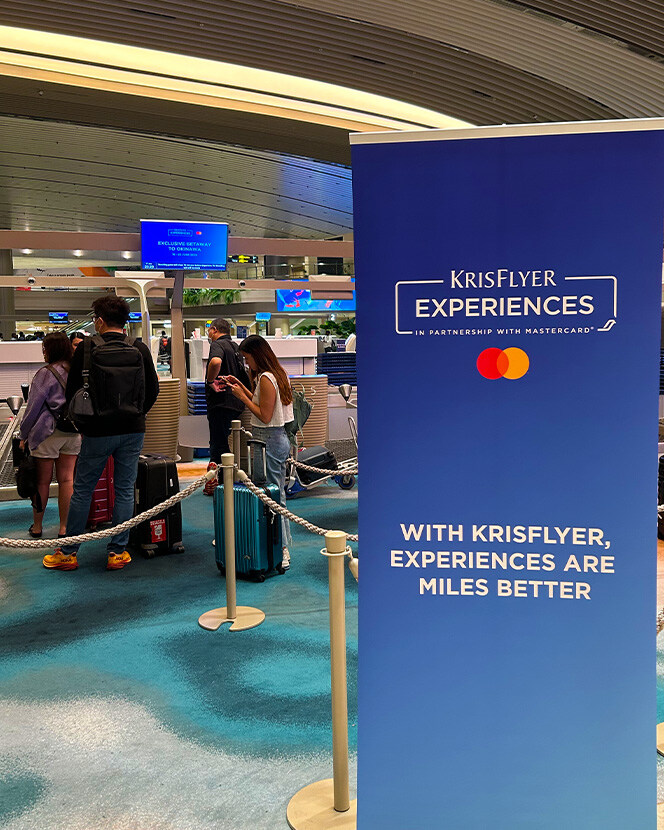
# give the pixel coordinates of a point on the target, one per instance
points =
(51, 439)
(271, 404)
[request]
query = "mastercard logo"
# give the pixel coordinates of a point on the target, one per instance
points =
(509, 363)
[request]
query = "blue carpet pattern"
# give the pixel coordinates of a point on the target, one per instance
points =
(119, 711)
(660, 715)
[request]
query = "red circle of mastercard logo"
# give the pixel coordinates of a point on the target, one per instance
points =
(509, 363)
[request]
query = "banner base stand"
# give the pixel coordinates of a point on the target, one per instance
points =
(245, 618)
(311, 808)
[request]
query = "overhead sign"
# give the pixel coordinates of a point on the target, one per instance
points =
(186, 246)
(263, 316)
(91, 271)
(507, 604)
(245, 259)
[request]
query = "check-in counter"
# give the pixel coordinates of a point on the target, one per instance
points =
(19, 360)
(296, 354)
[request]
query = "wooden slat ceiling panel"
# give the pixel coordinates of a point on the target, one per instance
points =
(55, 176)
(638, 23)
(59, 102)
(597, 68)
(290, 39)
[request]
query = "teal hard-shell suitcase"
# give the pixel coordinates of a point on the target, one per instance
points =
(258, 545)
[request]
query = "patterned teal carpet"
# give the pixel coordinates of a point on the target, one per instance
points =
(119, 711)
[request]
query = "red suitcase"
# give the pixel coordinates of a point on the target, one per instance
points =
(103, 498)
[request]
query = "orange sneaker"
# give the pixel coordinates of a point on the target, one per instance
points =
(116, 561)
(60, 561)
(210, 486)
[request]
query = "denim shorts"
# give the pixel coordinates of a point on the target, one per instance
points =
(58, 443)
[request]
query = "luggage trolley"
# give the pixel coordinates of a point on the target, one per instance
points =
(9, 445)
(298, 480)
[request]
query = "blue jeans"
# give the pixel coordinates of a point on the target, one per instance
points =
(95, 452)
(277, 451)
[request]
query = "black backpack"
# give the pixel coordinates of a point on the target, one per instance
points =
(114, 371)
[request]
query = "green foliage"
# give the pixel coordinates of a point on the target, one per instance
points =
(210, 296)
(340, 328)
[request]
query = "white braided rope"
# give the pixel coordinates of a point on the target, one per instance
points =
(111, 531)
(312, 528)
(341, 471)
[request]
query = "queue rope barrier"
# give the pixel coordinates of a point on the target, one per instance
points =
(339, 471)
(660, 620)
(111, 531)
(277, 508)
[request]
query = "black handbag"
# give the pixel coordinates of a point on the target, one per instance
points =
(26, 479)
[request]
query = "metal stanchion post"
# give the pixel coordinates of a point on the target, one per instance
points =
(325, 805)
(236, 431)
(241, 617)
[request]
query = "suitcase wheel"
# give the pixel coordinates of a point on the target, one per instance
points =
(257, 576)
(149, 553)
(222, 570)
(178, 549)
(281, 571)
(346, 482)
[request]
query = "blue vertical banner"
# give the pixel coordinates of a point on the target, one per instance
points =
(508, 293)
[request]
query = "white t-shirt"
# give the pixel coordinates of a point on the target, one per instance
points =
(282, 413)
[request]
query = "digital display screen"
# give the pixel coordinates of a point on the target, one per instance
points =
(300, 300)
(58, 316)
(135, 316)
(262, 316)
(183, 246)
(245, 259)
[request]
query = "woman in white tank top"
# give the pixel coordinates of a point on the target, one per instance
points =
(271, 407)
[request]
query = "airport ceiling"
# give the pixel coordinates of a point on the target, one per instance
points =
(71, 177)
(479, 61)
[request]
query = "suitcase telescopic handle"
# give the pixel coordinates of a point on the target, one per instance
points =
(260, 445)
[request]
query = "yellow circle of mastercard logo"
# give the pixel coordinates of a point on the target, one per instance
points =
(509, 363)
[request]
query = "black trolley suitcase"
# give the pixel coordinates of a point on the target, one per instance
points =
(157, 480)
(315, 457)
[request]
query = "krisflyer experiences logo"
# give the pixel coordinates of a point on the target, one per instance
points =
(512, 363)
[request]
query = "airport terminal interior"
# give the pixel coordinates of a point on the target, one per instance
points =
(129, 126)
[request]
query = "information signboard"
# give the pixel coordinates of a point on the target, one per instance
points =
(506, 622)
(183, 246)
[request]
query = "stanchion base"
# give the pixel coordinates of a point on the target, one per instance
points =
(312, 809)
(245, 617)
(660, 738)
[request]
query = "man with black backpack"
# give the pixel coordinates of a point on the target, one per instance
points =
(222, 406)
(117, 377)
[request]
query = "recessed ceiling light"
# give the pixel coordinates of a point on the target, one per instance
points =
(26, 250)
(77, 253)
(126, 255)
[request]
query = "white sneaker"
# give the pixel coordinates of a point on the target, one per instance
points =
(285, 561)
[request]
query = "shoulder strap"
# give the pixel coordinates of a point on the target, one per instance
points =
(57, 375)
(87, 351)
